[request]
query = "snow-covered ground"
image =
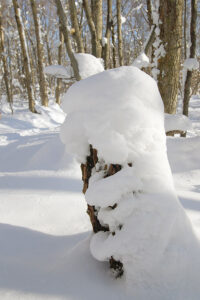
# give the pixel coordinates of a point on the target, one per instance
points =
(44, 229)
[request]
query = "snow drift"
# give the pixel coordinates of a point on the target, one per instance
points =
(120, 113)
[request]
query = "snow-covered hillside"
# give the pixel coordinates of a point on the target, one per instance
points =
(44, 230)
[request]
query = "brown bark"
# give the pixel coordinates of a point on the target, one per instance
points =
(26, 60)
(91, 25)
(192, 55)
(75, 25)
(108, 34)
(59, 80)
(40, 55)
(119, 33)
(5, 67)
(170, 14)
(63, 25)
(110, 170)
(98, 21)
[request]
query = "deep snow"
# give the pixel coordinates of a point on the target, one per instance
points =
(44, 230)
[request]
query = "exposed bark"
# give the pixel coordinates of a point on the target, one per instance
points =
(149, 13)
(26, 61)
(91, 25)
(40, 55)
(114, 56)
(119, 33)
(192, 55)
(110, 170)
(59, 80)
(98, 21)
(74, 20)
(108, 34)
(170, 14)
(5, 67)
(63, 25)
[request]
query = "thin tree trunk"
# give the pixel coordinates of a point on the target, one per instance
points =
(63, 24)
(170, 25)
(5, 67)
(119, 33)
(114, 56)
(91, 25)
(192, 55)
(185, 29)
(40, 55)
(25, 56)
(74, 20)
(59, 80)
(108, 33)
(99, 26)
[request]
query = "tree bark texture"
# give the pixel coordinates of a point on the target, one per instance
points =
(119, 33)
(170, 14)
(5, 66)
(192, 55)
(98, 21)
(40, 55)
(108, 34)
(63, 25)
(88, 13)
(59, 80)
(26, 61)
(75, 25)
(110, 170)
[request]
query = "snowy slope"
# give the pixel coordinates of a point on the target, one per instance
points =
(44, 230)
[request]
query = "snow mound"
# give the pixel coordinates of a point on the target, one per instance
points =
(177, 122)
(59, 71)
(88, 64)
(191, 64)
(142, 61)
(120, 112)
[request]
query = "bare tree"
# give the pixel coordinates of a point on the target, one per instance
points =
(59, 80)
(170, 26)
(108, 34)
(26, 60)
(75, 24)
(188, 79)
(40, 55)
(119, 32)
(63, 25)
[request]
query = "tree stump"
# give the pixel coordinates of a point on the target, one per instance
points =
(110, 170)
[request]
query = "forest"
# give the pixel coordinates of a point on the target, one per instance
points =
(99, 149)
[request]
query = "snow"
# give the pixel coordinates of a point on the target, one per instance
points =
(191, 64)
(59, 71)
(148, 230)
(142, 61)
(177, 122)
(44, 230)
(88, 64)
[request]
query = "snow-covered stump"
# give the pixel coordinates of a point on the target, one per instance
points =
(115, 129)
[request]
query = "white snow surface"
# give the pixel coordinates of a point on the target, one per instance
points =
(59, 71)
(142, 61)
(88, 64)
(191, 64)
(45, 231)
(177, 122)
(153, 236)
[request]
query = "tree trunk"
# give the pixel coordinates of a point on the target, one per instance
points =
(40, 55)
(5, 67)
(110, 170)
(74, 20)
(192, 55)
(108, 33)
(97, 11)
(63, 25)
(91, 25)
(170, 25)
(119, 33)
(59, 80)
(25, 56)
